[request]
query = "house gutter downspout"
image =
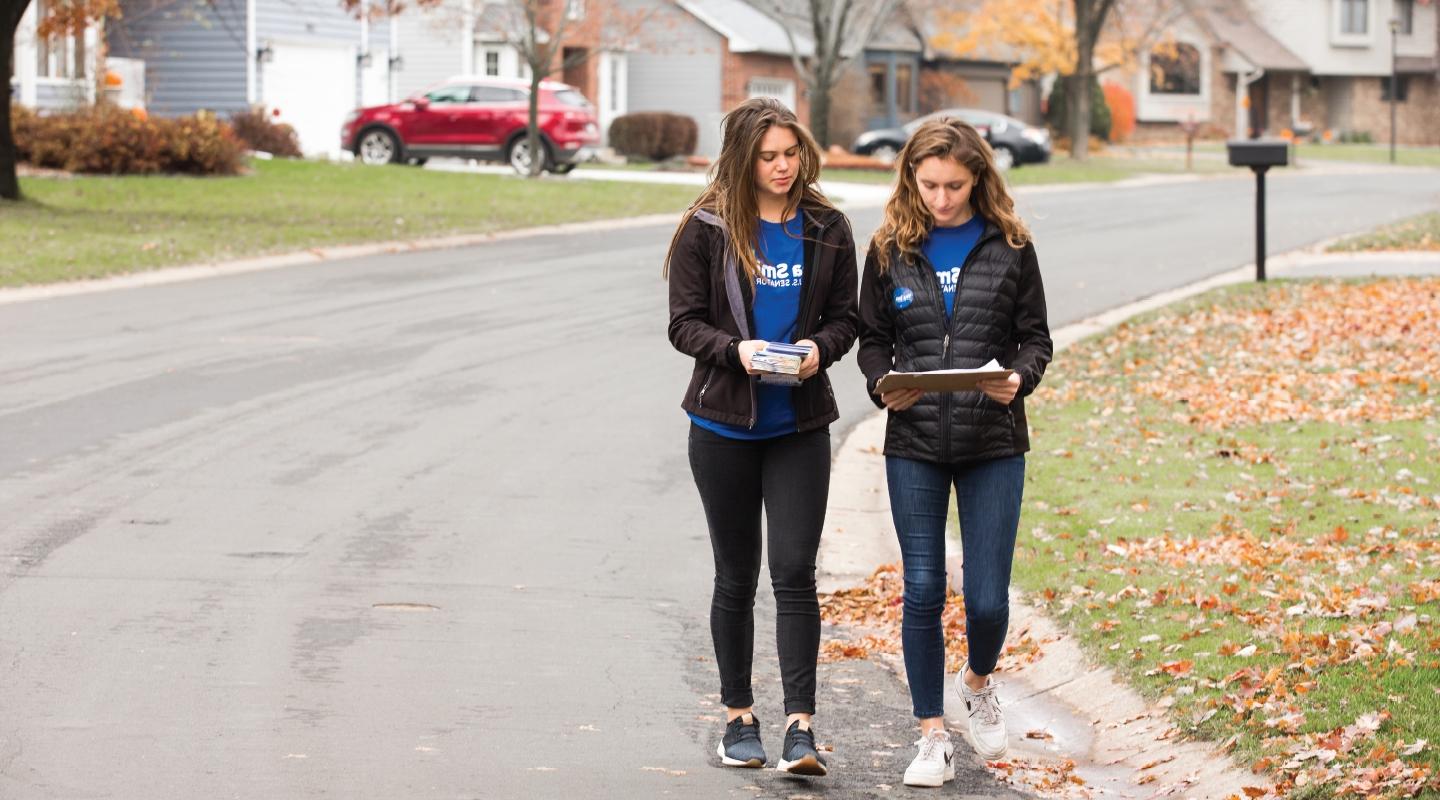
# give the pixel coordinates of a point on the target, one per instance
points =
(252, 78)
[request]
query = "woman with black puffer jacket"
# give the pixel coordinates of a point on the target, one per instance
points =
(951, 282)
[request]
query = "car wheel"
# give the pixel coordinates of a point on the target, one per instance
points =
(562, 169)
(1004, 157)
(378, 146)
(885, 152)
(519, 155)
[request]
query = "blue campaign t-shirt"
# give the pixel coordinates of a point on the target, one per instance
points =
(947, 249)
(781, 256)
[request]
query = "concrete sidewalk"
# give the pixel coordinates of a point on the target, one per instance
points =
(1115, 737)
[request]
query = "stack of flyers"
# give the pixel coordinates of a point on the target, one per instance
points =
(780, 362)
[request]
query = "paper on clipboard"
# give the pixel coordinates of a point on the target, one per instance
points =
(942, 380)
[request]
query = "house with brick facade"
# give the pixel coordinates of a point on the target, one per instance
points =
(1313, 67)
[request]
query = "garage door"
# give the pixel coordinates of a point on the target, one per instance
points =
(312, 86)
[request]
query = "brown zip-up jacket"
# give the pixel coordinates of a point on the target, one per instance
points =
(711, 313)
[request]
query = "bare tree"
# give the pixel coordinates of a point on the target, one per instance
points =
(839, 31)
(539, 30)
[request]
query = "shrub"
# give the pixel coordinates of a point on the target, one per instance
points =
(108, 140)
(1055, 113)
(258, 131)
(654, 135)
(1122, 111)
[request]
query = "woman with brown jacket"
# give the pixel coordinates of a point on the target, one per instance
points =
(762, 256)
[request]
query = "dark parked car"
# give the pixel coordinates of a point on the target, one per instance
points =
(476, 117)
(1013, 141)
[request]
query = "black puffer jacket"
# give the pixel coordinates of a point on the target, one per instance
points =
(999, 314)
(710, 313)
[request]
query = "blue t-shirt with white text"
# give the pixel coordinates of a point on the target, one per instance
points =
(780, 256)
(947, 249)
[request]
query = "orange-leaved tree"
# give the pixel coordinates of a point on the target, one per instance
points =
(1076, 39)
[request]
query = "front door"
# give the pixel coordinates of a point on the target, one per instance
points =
(1259, 106)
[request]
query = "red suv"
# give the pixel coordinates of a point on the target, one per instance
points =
(476, 117)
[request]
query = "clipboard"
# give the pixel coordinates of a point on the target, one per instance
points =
(942, 380)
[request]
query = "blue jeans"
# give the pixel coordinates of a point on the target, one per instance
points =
(988, 494)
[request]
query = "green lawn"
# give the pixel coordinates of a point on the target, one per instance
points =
(1421, 232)
(88, 227)
(1233, 502)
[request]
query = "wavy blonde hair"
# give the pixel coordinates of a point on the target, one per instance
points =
(907, 219)
(731, 193)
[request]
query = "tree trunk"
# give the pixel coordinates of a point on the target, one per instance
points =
(1080, 82)
(9, 181)
(532, 130)
(820, 107)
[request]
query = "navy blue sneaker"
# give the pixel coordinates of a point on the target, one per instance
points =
(800, 756)
(741, 746)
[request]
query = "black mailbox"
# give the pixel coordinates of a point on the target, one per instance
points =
(1259, 155)
(1258, 152)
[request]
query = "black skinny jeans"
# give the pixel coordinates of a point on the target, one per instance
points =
(789, 476)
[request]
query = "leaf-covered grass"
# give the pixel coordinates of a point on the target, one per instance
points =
(87, 227)
(1236, 503)
(1420, 232)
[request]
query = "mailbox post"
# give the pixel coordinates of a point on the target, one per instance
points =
(1259, 155)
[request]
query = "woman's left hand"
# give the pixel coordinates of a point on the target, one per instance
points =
(811, 364)
(1001, 390)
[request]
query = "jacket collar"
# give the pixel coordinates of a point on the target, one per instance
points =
(816, 217)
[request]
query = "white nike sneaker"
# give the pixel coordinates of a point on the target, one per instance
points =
(987, 722)
(935, 763)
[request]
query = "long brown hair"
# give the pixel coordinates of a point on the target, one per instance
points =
(731, 193)
(907, 219)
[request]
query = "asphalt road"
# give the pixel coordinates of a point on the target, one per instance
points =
(422, 525)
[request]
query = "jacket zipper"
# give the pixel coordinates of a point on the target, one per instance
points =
(949, 318)
(700, 399)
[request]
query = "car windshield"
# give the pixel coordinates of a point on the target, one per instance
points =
(570, 97)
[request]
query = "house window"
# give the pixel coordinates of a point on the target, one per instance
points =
(492, 63)
(877, 85)
(574, 9)
(1405, 15)
(904, 101)
(61, 56)
(1400, 83)
(1175, 69)
(778, 88)
(1355, 17)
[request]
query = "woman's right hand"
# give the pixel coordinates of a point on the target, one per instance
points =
(901, 399)
(748, 348)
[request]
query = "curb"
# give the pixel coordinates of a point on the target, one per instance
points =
(314, 255)
(1115, 737)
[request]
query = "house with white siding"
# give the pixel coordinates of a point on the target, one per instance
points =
(310, 62)
(54, 74)
(1247, 67)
